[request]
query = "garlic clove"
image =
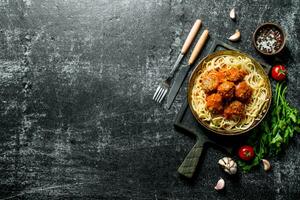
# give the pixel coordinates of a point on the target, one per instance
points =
(221, 162)
(226, 159)
(220, 184)
(232, 14)
(227, 171)
(266, 164)
(231, 163)
(235, 165)
(235, 37)
(233, 170)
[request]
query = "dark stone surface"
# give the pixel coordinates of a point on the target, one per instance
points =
(76, 82)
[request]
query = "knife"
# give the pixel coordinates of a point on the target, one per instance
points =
(190, 38)
(184, 71)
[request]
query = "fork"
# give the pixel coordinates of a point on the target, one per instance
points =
(164, 86)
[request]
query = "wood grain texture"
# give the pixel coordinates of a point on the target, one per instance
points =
(190, 162)
(76, 82)
(191, 36)
(198, 47)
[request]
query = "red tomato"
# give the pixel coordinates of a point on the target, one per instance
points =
(279, 72)
(246, 153)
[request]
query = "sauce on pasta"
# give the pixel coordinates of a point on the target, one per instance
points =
(250, 95)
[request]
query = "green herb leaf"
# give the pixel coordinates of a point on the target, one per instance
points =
(275, 130)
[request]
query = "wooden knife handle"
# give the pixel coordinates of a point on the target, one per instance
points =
(198, 46)
(191, 36)
(189, 165)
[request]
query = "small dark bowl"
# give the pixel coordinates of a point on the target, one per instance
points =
(268, 26)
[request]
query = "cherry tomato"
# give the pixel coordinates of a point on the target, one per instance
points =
(246, 153)
(279, 72)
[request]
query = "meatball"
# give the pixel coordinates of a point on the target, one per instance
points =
(221, 76)
(210, 82)
(226, 90)
(235, 74)
(214, 103)
(234, 110)
(243, 91)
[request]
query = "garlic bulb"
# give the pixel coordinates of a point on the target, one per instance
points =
(235, 37)
(228, 165)
(220, 184)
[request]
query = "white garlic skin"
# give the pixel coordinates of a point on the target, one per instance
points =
(235, 37)
(222, 162)
(220, 184)
(267, 165)
(232, 14)
(231, 163)
(233, 170)
(228, 165)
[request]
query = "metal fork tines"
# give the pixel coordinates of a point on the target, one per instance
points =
(162, 90)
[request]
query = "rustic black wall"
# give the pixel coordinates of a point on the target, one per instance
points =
(76, 82)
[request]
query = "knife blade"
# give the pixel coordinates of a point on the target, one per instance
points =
(159, 93)
(176, 65)
(179, 79)
(181, 75)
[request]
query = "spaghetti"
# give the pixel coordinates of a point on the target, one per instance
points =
(252, 109)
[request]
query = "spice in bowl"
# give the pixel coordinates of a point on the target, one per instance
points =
(269, 39)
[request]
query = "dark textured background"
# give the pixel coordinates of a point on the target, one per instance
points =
(76, 82)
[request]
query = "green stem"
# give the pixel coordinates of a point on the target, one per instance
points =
(277, 98)
(283, 101)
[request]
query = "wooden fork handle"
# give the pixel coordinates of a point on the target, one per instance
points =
(191, 36)
(198, 46)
